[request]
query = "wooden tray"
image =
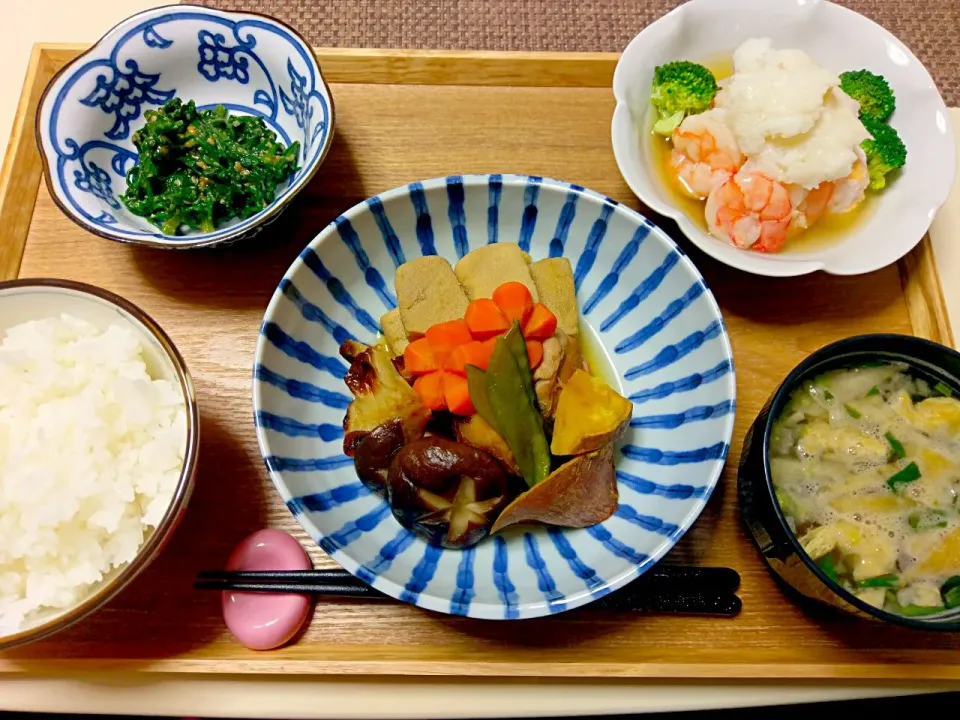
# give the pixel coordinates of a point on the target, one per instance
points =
(403, 116)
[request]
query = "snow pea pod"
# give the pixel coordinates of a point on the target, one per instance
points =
(516, 416)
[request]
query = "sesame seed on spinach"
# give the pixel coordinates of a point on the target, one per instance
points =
(201, 168)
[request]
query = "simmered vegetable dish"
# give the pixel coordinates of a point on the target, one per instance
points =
(477, 410)
(866, 466)
(198, 169)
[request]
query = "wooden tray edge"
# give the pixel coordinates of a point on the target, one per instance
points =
(19, 186)
(662, 671)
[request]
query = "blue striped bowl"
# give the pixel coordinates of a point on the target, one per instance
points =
(652, 312)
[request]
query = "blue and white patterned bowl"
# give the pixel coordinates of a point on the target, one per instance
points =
(652, 312)
(251, 64)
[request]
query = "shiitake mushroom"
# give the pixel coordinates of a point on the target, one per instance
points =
(374, 452)
(447, 492)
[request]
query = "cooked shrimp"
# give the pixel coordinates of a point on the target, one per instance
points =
(849, 191)
(810, 205)
(750, 210)
(705, 153)
(839, 196)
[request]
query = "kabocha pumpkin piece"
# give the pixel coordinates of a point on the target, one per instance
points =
(476, 432)
(381, 394)
(590, 415)
(483, 270)
(446, 492)
(580, 493)
(392, 326)
(428, 293)
(554, 280)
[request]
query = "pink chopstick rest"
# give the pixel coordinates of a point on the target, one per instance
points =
(264, 621)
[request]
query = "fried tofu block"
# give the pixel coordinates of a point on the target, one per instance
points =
(554, 279)
(485, 269)
(428, 293)
(392, 326)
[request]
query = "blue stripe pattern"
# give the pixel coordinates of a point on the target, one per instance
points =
(567, 215)
(329, 499)
(654, 456)
(659, 330)
(579, 568)
(294, 428)
(422, 574)
(390, 239)
(544, 581)
(501, 578)
(353, 529)
(650, 330)
(622, 262)
(385, 557)
(291, 464)
(494, 192)
(301, 390)
(457, 215)
(299, 350)
(424, 226)
(313, 313)
(674, 420)
(647, 522)
(339, 292)
(618, 548)
(642, 291)
(685, 384)
(589, 255)
(371, 274)
(671, 353)
(464, 594)
(529, 220)
(677, 491)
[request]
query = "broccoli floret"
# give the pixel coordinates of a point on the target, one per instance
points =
(871, 91)
(885, 152)
(680, 88)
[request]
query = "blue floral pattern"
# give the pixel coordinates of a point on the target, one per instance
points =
(124, 93)
(219, 60)
(93, 179)
(297, 102)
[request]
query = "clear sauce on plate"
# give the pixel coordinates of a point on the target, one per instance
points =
(829, 230)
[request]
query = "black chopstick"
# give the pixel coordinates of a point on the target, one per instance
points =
(672, 589)
(720, 579)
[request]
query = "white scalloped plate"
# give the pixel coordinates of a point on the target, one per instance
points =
(837, 38)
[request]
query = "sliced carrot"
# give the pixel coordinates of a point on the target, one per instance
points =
(446, 336)
(485, 319)
(430, 387)
(514, 301)
(419, 357)
(534, 353)
(541, 324)
(473, 353)
(457, 394)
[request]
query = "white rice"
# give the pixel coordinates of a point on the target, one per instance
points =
(91, 450)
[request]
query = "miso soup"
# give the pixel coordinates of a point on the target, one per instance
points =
(865, 463)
